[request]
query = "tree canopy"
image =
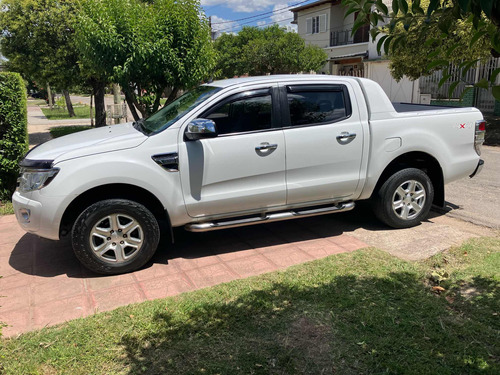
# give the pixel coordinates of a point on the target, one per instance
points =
(38, 40)
(449, 32)
(273, 50)
(146, 46)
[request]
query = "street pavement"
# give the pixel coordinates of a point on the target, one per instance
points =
(477, 200)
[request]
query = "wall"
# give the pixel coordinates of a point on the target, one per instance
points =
(402, 91)
(467, 100)
(321, 39)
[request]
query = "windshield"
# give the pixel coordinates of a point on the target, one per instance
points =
(169, 114)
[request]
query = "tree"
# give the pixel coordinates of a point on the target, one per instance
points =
(271, 50)
(148, 47)
(441, 27)
(411, 58)
(38, 40)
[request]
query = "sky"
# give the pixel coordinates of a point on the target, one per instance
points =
(267, 12)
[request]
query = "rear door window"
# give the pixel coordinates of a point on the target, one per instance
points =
(321, 104)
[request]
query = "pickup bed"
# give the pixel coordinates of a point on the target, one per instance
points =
(244, 151)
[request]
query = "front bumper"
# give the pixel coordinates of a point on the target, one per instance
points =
(478, 169)
(34, 218)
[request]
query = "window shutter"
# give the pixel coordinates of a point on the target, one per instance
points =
(322, 23)
(308, 26)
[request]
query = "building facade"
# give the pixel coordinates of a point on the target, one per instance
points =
(323, 23)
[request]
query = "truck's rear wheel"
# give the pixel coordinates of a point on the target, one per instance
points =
(115, 236)
(405, 198)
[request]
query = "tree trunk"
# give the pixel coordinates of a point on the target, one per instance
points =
(116, 93)
(91, 111)
(49, 97)
(130, 102)
(69, 105)
(172, 96)
(100, 110)
(117, 100)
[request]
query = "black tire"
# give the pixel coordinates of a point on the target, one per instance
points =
(88, 229)
(382, 201)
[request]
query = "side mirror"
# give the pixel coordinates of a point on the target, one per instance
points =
(200, 128)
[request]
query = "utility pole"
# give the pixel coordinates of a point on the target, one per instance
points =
(117, 100)
(212, 34)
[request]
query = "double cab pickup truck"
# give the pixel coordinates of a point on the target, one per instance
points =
(244, 151)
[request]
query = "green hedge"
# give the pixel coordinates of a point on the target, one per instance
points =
(13, 130)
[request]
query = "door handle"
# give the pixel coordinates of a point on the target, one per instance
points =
(265, 149)
(265, 146)
(345, 136)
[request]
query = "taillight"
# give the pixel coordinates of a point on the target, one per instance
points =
(479, 135)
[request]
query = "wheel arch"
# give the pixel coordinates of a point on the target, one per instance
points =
(110, 191)
(422, 161)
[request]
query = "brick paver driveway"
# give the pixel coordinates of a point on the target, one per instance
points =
(43, 283)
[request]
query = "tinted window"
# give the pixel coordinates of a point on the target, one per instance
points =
(313, 107)
(243, 115)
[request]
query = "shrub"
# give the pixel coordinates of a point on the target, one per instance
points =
(13, 130)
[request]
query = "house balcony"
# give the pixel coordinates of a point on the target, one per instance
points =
(345, 37)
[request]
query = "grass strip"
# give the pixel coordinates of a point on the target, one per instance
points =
(6, 208)
(60, 131)
(81, 111)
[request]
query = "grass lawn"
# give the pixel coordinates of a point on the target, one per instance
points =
(33, 102)
(6, 208)
(360, 313)
(59, 131)
(81, 111)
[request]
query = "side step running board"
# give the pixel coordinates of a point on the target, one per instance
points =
(268, 218)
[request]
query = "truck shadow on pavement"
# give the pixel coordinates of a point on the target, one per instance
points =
(46, 258)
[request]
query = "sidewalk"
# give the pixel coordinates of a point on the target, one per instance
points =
(44, 284)
(39, 125)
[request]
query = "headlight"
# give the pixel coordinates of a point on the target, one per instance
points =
(35, 179)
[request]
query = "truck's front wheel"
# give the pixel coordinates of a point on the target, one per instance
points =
(115, 236)
(405, 198)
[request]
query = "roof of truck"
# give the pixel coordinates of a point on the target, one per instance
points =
(277, 78)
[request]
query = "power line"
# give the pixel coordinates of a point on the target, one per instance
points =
(267, 23)
(261, 14)
(273, 22)
(247, 22)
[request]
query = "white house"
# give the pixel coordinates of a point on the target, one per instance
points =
(322, 23)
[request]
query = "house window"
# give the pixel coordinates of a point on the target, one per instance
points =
(315, 25)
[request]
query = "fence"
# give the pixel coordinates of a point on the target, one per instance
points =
(483, 100)
(116, 113)
(343, 37)
(352, 72)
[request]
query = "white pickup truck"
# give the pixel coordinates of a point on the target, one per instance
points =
(244, 151)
